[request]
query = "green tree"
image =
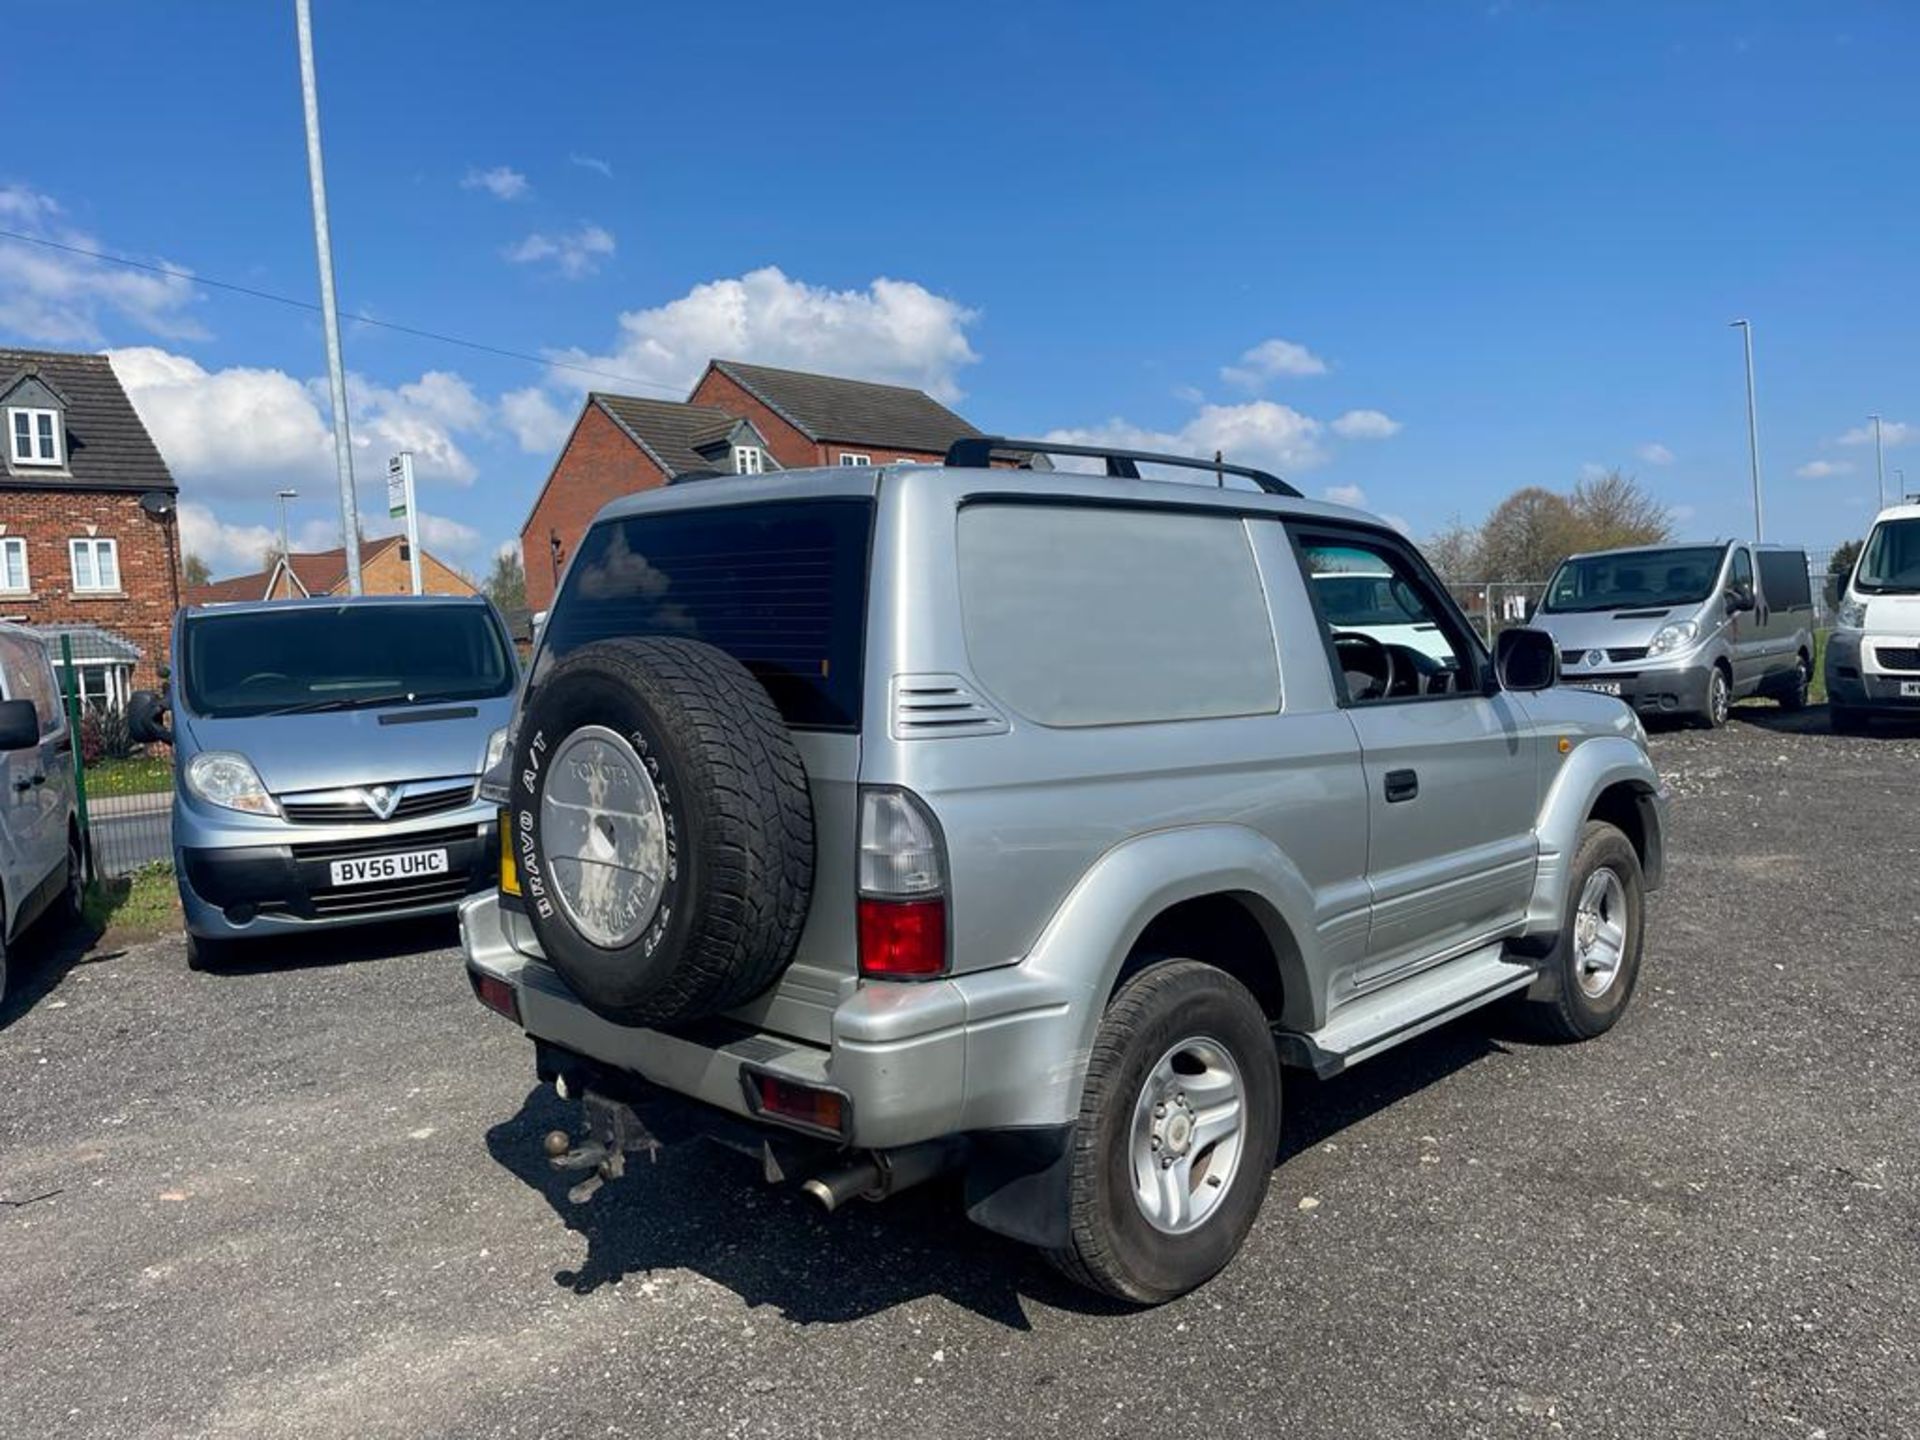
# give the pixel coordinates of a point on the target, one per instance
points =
(194, 570)
(506, 582)
(1842, 560)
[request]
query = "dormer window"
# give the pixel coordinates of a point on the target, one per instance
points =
(35, 437)
(747, 460)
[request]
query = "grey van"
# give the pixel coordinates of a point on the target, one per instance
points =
(326, 756)
(40, 856)
(1685, 630)
(889, 822)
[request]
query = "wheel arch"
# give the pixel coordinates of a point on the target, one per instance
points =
(1607, 777)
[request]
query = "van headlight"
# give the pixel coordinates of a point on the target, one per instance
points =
(1852, 615)
(496, 749)
(1677, 636)
(494, 786)
(228, 779)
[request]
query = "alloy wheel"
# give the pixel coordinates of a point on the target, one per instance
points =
(1186, 1137)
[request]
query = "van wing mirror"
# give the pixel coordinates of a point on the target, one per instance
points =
(146, 719)
(19, 725)
(1739, 597)
(1526, 659)
(1836, 588)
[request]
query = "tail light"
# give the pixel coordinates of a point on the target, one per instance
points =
(903, 888)
(807, 1106)
(496, 994)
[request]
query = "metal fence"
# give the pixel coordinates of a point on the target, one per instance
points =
(125, 790)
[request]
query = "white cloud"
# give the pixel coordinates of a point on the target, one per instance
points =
(591, 162)
(574, 254)
(1654, 453)
(538, 423)
(1892, 433)
(1261, 433)
(1594, 470)
(1271, 359)
(1365, 425)
(237, 549)
(502, 182)
(894, 331)
(1824, 469)
(243, 431)
(56, 297)
(1346, 495)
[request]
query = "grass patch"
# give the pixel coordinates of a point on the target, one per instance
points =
(147, 902)
(135, 775)
(1817, 692)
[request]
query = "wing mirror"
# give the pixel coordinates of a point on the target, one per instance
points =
(19, 725)
(1836, 588)
(1739, 597)
(146, 719)
(1526, 659)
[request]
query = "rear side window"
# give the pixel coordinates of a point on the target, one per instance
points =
(782, 588)
(1783, 578)
(1084, 615)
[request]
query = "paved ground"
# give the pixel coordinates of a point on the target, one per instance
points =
(304, 1200)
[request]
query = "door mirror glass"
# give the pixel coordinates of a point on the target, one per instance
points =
(1836, 589)
(1526, 659)
(19, 725)
(146, 719)
(1739, 597)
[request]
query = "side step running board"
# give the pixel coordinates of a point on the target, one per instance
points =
(1367, 1025)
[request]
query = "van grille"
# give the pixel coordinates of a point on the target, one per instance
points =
(1618, 654)
(1898, 657)
(926, 707)
(346, 807)
(391, 895)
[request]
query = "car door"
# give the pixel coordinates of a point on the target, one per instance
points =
(55, 771)
(22, 817)
(1450, 763)
(1746, 638)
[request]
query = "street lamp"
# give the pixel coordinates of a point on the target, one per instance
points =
(1753, 430)
(286, 550)
(1879, 462)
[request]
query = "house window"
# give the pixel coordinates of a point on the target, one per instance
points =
(13, 563)
(36, 436)
(96, 565)
(747, 460)
(848, 457)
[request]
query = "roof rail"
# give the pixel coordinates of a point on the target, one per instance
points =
(976, 452)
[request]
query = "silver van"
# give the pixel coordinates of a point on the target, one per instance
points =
(326, 755)
(894, 821)
(1685, 630)
(40, 856)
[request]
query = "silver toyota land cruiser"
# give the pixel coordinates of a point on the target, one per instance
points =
(890, 822)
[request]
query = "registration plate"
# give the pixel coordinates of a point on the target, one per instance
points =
(369, 868)
(1599, 687)
(1910, 688)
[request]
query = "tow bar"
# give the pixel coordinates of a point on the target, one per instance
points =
(614, 1132)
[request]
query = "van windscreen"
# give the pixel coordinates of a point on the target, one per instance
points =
(1630, 579)
(781, 587)
(310, 658)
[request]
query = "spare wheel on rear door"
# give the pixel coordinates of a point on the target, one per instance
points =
(663, 829)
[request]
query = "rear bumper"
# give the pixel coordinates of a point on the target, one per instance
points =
(991, 1051)
(1856, 680)
(236, 890)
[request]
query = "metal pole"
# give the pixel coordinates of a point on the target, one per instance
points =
(330, 316)
(286, 545)
(1879, 462)
(1753, 433)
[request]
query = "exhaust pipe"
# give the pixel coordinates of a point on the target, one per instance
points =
(880, 1173)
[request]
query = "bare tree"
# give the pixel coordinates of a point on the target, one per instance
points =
(1612, 510)
(1528, 534)
(1454, 553)
(194, 570)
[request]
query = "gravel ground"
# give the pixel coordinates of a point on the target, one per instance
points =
(305, 1199)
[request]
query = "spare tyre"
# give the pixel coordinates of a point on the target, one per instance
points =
(663, 829)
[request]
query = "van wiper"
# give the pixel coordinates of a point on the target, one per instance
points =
(346, 702)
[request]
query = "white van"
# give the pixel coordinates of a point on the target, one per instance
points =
(1873, 654)
(40, 867)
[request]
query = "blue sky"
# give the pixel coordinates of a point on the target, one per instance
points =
(1497, 243)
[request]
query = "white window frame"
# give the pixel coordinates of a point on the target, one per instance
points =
(8, 543)
(94, 546)
(853, 457)
(56, 436)
(748, 460)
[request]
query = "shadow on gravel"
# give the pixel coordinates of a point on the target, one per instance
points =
(1814, 720)
(389, 940)
(702, 1208)
(40, 959)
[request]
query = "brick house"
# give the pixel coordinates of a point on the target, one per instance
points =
(385, 569)
(89, 541)
(739, 419)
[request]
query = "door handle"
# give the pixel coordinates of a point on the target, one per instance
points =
(23, 785)
(1402, 785)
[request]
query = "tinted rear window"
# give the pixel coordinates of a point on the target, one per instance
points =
(781, 587)
(1784, 579)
